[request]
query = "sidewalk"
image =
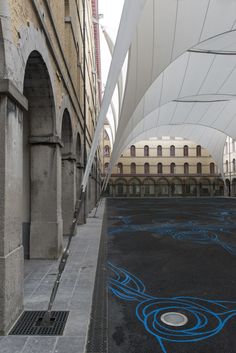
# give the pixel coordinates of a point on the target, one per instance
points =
(74, 295)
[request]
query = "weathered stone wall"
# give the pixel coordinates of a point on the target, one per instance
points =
(47, 65)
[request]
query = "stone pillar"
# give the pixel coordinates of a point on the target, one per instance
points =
(211, 190)
(68, 191)
(170, 190)
(198, 190)
(79, 176)
(142, 189)
(46, 221)
(11, 174)
(184, 188)
(89, 194)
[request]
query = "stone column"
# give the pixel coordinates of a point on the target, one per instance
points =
(211, 190)
(184, 188)
(79, 176)
(198, 189)
(170, 190)
(68, 191)
(142, 188)
(46, 221)
(89, 194)
(11, 174)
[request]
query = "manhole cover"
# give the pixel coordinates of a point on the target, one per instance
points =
(30, 324)
(174, 319)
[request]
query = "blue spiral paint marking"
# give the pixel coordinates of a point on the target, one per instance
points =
(183, 231)
(206, 317)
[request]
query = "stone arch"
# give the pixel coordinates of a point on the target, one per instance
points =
(149, 187)
(228, 187)
(191, 187)
(109, 189)
(218, 187)
(41, 219)
(163, 187)
(68, 172)
(134, 187)
(76, 147)
(79, 170)
(30, 39)
(38, 91)
(66, 106)
(234, 187)
(121, 187)
(66, 134)
(176, 186)
(205, 187)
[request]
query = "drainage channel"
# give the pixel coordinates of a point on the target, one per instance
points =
(97, 336)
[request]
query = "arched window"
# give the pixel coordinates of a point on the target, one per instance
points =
(159, 151)
(172, 168)
(146, 168)
(132, 151)
(120, 168)
(172, 150)
(198, 151)
(106, 165)
(234, 165)
(107, 151)
(186, 168)
(133, 168)
(159, 168)
(212, 168)
(185, 151)
(199, 168)
(227, 166)
(146, 151)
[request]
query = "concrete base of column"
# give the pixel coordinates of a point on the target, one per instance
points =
(45, 240)
(11, 275)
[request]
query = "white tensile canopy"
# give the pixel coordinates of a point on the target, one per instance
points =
(181, 77)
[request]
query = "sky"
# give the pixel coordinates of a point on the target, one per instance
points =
(111, 11)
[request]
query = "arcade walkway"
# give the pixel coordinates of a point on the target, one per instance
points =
(74, 295)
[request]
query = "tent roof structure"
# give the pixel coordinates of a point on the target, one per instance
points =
(181, 76)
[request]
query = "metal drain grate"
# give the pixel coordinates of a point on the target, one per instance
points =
(29, 324)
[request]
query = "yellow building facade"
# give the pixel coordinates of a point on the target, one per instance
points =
(161, 168)
(230, 166)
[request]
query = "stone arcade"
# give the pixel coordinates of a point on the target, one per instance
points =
(48, 103)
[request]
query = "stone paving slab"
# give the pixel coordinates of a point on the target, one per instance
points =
(75, 293)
